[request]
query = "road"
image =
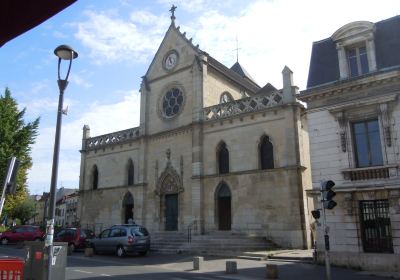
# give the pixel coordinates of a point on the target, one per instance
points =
(180, 267)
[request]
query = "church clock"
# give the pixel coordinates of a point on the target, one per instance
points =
(171, 60)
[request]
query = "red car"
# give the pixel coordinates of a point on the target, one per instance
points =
(76, 237)
(21, 233)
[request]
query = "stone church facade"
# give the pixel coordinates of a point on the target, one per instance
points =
(353, 116)
(214, 152)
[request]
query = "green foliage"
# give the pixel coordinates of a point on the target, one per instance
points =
(16, 139)
(23, 210)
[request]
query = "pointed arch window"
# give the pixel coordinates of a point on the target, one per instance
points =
(95, 178)
(223, 159)
(266, 152)
(131, 173)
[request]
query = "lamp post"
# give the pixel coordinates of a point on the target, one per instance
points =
(63, 52)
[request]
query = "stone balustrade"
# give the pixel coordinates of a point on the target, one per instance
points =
(118, 137)
(369, 173)
(244, 105)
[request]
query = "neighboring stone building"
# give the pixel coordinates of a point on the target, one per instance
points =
(353, 118)
(71, 206)
(66, 214)
(214, 151)
(42, 209)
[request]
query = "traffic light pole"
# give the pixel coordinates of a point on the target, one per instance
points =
(326, 238)
(6, 181)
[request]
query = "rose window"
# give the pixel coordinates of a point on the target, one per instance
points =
(172, 102)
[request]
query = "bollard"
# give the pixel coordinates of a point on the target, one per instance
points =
(197, 263)
(70, 250)
(231, 267)
(272, 271)
(88, 252)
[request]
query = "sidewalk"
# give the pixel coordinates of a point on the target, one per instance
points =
(292, 264)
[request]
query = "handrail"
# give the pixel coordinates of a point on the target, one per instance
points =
(192, 225)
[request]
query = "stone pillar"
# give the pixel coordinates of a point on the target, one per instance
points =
(198, 263)
(289, 89)
(344, 73)
(370, 45)
(82, 171)
(199, 82)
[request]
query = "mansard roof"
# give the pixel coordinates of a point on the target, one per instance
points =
(324, 64)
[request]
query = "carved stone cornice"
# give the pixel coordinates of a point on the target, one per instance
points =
(340, 87)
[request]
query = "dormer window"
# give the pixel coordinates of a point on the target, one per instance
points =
(356, 49)
(357, 60)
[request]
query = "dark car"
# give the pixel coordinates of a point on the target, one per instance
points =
(21, 233)
(76, 237)
(122, 239)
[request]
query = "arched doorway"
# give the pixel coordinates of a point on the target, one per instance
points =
(127, 208)
(170, 199)
(223, 201)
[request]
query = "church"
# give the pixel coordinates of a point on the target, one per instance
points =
(214, 153)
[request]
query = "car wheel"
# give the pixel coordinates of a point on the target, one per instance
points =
(37, 239)
(4, 241)
(121, 251)
(143, 253)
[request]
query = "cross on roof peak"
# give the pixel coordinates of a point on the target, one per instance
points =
(172, 10)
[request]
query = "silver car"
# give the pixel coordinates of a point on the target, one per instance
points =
(122, 239)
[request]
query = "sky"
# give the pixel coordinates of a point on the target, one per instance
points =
(116, 41)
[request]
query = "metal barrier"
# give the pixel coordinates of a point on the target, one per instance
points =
(11, 268)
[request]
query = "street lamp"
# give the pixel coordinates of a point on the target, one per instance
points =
(63, 52)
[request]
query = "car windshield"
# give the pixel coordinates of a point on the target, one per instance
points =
(139, 231)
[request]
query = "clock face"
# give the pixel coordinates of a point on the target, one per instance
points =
(171, 60)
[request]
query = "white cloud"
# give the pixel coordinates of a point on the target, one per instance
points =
(115, 40)
(104, 118)
(273, 34)
(77, 79)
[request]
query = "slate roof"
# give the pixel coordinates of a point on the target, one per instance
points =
(324, 64)
(241, 71)
(248, 84)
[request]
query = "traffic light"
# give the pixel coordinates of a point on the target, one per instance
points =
(316, 214)
(328, 194)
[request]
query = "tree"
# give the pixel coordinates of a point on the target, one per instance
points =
(16, 139)
(23, 210)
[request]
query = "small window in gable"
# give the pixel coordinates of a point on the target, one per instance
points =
(225, 97)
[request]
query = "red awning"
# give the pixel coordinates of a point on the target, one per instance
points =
(18, 16)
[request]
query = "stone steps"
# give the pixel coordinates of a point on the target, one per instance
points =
(215, 243)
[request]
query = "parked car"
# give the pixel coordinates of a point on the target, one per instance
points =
(76, 237)
(122, 239)
(21, 233)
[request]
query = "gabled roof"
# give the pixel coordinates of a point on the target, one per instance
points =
(241, 71)
(236, 74)
(267, 89)
(251, 86)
